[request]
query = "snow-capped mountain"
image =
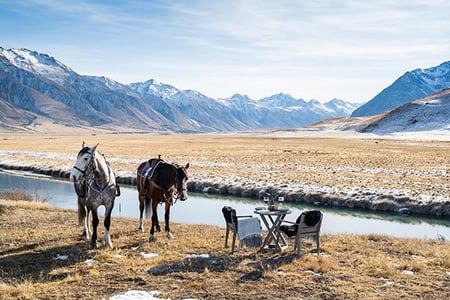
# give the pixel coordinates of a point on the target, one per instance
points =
(35, 87)
(425, 114)
(412, 85)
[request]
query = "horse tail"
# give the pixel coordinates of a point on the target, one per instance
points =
(147, 207)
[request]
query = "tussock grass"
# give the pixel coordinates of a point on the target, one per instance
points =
(21, 195)
(349, 267)
(16, 195)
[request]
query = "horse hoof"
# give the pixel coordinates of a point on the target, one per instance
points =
(109, 245)
(152, 238)
(169, 235)
(141, 229)
(93, 245)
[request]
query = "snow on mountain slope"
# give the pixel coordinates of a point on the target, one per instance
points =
(426, 114)
(155, 88)
(412, 85)
(37, 63)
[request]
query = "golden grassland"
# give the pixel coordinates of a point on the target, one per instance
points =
(349, 267)
(276, 161)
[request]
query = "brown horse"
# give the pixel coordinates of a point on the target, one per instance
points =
(158, 182)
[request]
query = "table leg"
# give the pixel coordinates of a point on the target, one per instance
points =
(274, 236)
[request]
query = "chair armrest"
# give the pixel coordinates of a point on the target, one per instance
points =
(290, 222)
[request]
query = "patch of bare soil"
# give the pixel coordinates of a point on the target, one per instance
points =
(42, 257)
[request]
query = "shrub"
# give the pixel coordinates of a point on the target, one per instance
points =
(21, 195)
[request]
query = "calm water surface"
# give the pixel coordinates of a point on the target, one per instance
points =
(207, 209)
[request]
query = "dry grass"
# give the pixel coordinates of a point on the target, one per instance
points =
(416, 166)
(350, 267)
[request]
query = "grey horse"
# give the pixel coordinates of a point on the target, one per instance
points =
(100, 188)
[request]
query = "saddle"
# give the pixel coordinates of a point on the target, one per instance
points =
(146, 173)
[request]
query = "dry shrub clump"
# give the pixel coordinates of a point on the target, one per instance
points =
(21, 195)
(16, 195)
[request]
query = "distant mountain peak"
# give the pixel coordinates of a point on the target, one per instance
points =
(240, 97)
(413, 85)
(155, 88)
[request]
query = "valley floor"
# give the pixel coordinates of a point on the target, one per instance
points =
(369, 172)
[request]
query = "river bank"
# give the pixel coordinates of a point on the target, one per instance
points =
(402, 176)
(382, 203)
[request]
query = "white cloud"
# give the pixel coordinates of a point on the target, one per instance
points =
(353, 48)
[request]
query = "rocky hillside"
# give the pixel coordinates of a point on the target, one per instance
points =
(37, 89)
(412, 85)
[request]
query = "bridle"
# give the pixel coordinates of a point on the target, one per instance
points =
(179, 187)
(87, 166)
(91, 177)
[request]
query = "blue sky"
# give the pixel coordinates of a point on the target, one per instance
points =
(309, 49)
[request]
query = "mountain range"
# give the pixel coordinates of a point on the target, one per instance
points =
(38, 91)
(412, 85)
(428, 114)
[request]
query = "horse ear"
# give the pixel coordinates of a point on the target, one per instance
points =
(94, 148)
(187, 166)
(83, 144)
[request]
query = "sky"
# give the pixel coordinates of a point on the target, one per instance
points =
(349, 49)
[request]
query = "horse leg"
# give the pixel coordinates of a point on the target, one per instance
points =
(94, 229)
(155, 222)
(141, 212)
(86, 229)
(166, 218)
(83, 217)
(107, 224)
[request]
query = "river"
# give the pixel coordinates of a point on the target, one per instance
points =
(207, 209)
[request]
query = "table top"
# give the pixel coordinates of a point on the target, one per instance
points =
(265, 211)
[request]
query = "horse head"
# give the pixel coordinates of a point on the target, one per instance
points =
(84, 164)
(181, 182)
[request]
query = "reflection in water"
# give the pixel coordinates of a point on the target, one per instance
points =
(207, 209)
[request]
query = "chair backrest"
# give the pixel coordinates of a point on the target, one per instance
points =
(229, 214)
(310, 221)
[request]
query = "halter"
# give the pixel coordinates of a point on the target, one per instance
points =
(178, 188)
(90, 179)
(88, 165)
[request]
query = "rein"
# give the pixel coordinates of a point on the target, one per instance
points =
(100, 190)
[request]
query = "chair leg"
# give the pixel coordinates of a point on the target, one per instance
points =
(233, 242)
(318, 244)
(298, 246)
(226, 237)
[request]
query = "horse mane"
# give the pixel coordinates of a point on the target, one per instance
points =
(84, 150)
(166, 172)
